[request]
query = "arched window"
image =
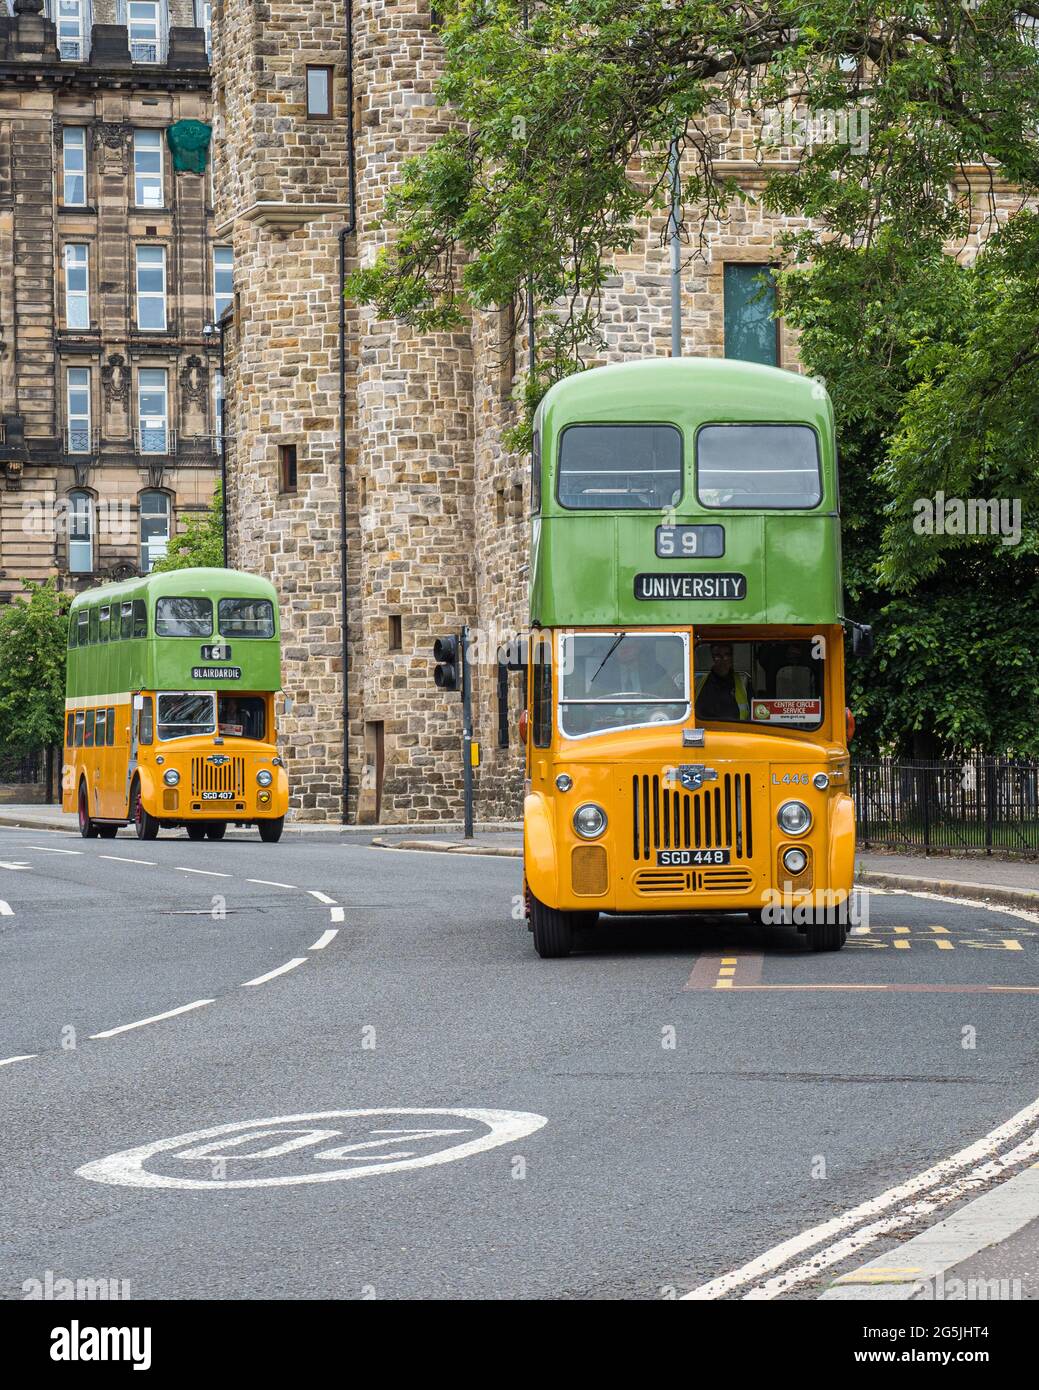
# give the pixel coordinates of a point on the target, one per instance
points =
(81, 533)
(155, 528)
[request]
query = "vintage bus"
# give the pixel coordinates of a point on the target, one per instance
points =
(169, 708)
(686, 731)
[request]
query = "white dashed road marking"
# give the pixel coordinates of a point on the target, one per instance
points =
(6, 910)
(46, 849)
(281, 970)
(269, 883)
(207, 873)
(5, 864)
(321, 897)
(155, 1018)
(338, 914)
(26, 1057)
(324, 939)
(122, 859)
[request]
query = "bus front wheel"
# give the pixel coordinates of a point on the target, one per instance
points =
(87, 828)
(145, 824)
(826, 936)
(553, 930)
(270, 830)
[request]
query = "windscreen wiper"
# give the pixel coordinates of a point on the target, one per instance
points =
(616, 643)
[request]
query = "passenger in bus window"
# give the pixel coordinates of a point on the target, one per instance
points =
(722, 693)
(642, 674)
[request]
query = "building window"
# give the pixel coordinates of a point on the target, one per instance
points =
(77, 439)
(74, 166)
(77, 287)
(147, 169)
(73, 23)
(319, 93)
(155, 528)
(153, 410)
(81, 533)
(396, 632)
(751, 333)
(204, 21)
(287, 467)
(144, 21)
(223, 279)
(151, 287)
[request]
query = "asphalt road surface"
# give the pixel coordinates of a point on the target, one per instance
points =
(352, 1077)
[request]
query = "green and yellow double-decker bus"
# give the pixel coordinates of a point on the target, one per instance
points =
(687, 744)
(169, 708)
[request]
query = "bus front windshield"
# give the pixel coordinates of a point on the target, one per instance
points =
(619, 680)
(767, 684)
(186, 713)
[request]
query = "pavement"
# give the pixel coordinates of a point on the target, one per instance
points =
(237, 1070)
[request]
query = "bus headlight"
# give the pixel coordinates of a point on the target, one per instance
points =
(794, 818)
(264, 777)
(820, 781)
(589, 821)
(795, 861)
(171, 777)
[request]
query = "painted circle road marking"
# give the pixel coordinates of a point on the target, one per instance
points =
(388, 1148)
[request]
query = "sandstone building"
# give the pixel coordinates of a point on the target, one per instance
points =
(366, 472)
(109, 278)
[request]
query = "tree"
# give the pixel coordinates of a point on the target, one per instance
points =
(567, 110)
(201, 543)
(33, 641)
(931, 399)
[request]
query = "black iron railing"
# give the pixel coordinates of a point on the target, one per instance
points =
(957, 806)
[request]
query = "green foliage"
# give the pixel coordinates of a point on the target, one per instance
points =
(563, 129)
(33, 639)
(201, 543)
(932, 369)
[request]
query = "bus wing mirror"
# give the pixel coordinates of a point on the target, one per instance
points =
(862, 640)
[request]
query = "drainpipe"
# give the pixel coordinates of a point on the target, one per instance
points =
(676, 253)
(344, 232)
(222, 326)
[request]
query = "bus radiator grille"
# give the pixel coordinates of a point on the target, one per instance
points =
(651, 882)
(226, 777)
(718, 816)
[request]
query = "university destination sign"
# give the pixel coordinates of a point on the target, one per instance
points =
(690, 586)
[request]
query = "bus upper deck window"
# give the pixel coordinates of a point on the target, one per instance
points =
(126, 622)
(535, 475)
(184, 617)
(620, 467)
(758, 467)
(246, 617)
(82, 619)
(104, 623)
(93, 626)
(140, 618)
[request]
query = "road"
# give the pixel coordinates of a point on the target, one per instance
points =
(636, 1121)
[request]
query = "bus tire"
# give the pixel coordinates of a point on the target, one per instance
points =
(196, 831)
(553, 931)
(87, 828)
(108, 832)
(826, 936)
(216, 829)
(144, 822)
(270, 830)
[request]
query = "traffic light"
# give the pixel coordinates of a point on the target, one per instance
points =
(447, 675)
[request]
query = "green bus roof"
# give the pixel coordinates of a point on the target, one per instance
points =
(186, 583)
(587, 566)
